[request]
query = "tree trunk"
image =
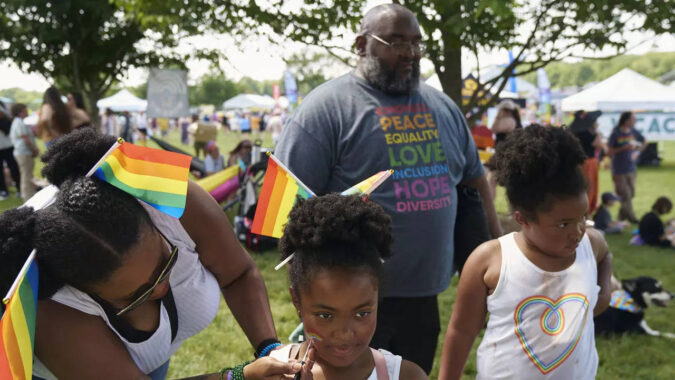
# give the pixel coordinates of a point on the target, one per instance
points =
(93, 109)
(451, 75)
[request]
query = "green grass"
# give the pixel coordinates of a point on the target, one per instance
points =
(625, 357)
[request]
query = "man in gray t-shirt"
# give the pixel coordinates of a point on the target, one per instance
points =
(381, 117)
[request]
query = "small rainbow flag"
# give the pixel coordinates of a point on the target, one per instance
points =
(280, 190)
(155, 176)
(17, 325)
(369, 184)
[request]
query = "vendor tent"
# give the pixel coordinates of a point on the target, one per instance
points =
(623, 91)
(123, 101)
(246, 101)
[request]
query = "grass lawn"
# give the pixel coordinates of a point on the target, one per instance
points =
(629, 357)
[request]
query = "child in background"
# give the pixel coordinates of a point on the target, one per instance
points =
(603, 219)
(541, 285)
(338, 243)
(652, 230)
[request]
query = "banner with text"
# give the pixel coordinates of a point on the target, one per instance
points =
(654, 126)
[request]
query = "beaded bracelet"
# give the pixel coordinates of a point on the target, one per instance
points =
(268, 349)
(235, 373)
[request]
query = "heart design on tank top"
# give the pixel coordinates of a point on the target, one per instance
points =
(551, 322)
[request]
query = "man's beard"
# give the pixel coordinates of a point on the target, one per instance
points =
(386, 80)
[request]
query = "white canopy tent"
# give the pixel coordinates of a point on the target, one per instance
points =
(244, 101)
(123, 101)
(623, 91)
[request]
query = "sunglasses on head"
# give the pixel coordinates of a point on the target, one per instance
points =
(161, 278)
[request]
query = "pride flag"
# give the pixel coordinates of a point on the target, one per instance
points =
(279, 192)
(369, 184)
(158, 177)
(17, 325)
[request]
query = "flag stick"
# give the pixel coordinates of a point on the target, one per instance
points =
(22, 272)
(286, 260)
(291, 174)
(112, 148)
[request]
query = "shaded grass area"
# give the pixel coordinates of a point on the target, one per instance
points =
(631, 357)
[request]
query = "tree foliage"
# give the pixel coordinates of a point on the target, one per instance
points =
(537, 31)
(561, 74)
(83, 45)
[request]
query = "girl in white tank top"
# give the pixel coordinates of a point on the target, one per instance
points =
(542, 285)
(334, 277)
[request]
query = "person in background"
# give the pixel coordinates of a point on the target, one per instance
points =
(25, 149)
(55, 119)
(585, 128)
(603, 219)
(652, 230)
(78, 112)
(241, 152)
(127, 132)
(7, 153)
(245, 123)
(507, 121)
(109, 123)
(624, 146)
(275, 125)
(142, 127)
(214, 161)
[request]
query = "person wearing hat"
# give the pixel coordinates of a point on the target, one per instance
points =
(585, 126)
(603, 219)
(214, 161)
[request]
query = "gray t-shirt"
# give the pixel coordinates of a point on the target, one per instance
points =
(346, 131)
(18, 130)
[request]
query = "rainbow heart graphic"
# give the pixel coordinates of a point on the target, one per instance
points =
(552, 322)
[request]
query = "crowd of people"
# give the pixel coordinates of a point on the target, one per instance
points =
(122, 285)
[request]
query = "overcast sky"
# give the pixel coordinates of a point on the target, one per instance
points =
(261, 60)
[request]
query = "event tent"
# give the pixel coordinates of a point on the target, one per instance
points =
(623, 91)
(244, 101)
(123, 101)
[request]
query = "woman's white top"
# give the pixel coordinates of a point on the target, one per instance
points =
(196, 294)
(541, 323)
(393, 361)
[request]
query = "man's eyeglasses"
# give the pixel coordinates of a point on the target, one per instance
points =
(417, 47)
(162, 277)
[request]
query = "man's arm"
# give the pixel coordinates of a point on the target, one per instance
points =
(481, 184)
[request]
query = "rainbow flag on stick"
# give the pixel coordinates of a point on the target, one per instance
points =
(17, 325)
(369, 184)
(155, 176)
(279, 192)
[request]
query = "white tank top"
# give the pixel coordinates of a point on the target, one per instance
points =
(541, 323)
(392, 361)
(196, 294)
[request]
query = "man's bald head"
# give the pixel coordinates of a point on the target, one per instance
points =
(382, 15)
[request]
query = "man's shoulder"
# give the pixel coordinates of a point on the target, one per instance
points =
(435, 95)
(334, 88)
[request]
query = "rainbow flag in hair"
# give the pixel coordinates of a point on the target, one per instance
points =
(369, 184)
(17, 325)
(279, 192)
(155, 176)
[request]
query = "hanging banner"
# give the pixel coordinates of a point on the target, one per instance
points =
(168, 93)
(654, 126)
(291, 87)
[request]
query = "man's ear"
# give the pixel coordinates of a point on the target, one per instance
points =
(521, 219)
(360, 45)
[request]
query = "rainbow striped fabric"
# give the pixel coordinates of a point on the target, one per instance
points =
(367, 186)
(158, 177)
(278, 194)
(17, 328)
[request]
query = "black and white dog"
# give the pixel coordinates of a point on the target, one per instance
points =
(626, 310)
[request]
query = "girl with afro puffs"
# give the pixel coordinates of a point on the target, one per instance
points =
(338, 243)
(541, 285)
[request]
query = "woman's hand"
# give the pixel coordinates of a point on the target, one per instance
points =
(272, 369)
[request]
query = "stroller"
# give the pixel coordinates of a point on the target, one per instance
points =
(245, 201)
